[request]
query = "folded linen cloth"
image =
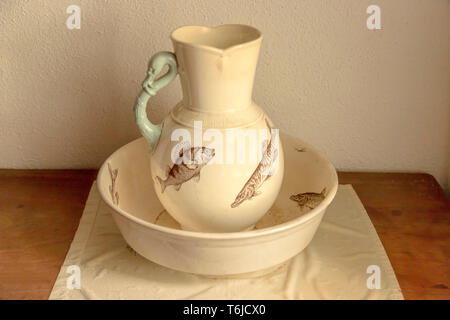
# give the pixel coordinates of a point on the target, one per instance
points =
(345, 260)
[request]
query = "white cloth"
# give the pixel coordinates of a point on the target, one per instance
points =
(333, 266)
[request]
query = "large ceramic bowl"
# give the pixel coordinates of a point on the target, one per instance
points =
(125, 184)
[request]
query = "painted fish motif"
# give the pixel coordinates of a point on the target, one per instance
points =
(112, 188)
(181, 172)
(263, 171)
(309, 199)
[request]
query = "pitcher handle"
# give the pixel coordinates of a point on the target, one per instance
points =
(150, 87)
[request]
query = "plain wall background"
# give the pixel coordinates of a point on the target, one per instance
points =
(371, 100)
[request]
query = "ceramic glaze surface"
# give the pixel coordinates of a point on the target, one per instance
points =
(242, 162)
(284, 231)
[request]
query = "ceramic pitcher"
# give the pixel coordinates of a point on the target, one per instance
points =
(216, 159)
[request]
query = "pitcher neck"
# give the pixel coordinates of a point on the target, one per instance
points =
(215, 80)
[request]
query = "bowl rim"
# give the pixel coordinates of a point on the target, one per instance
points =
(285, 226)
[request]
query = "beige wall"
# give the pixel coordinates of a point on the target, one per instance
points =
(372, 100)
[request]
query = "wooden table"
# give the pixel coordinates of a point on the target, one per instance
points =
(40, 211)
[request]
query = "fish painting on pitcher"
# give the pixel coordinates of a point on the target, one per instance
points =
(181, 172)
(263, 171)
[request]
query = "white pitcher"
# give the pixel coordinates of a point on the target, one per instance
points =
(216, 160)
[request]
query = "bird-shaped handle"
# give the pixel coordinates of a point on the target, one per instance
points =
(150, 87)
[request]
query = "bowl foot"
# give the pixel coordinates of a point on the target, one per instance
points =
(196, 230)
(247, 275)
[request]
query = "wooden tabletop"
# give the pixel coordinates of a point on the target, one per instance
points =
(40, 211)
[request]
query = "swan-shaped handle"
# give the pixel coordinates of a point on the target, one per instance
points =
(150, 87)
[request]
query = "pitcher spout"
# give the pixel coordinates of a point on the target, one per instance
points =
(217, 65)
